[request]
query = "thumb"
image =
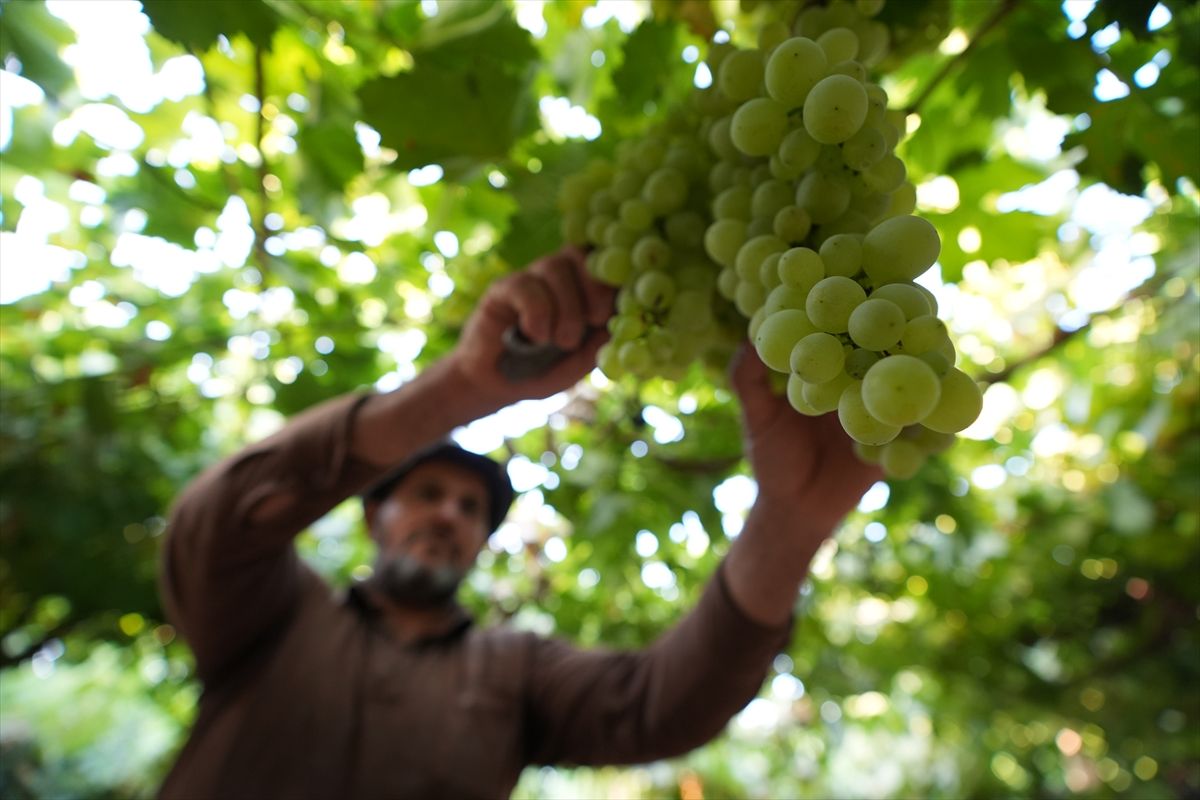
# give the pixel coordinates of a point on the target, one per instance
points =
(750, 379)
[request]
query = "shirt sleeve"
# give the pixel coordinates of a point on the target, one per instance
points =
(593, 707)
(230, 577)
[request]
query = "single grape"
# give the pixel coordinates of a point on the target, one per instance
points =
(900, 390)
(609, 361)
(793, 69)
(900, 249)
(901, 459)
(782, 297)
(727, 282)
(839, 44)
(792, 224)
(636, 214)
(932, 442)
(902, 201)
(768, 271)
(824, 196)
(817, 358)
(719, 139)
(741, 74)
(868, 453)
(771, 35)
(756, 322)
(649, 153)
(733, 203)
(614, 266)
(842, 254)
(778, 335)
(654, 290)
(691, 311)
(906, 295)
(801, 267)
(831, 302)
(782, 171)
(886, 174)
(835, 109)
(749, 297)
(959, 404)
(663, 345)
(751, 254)
(625, 327)
(824, 397)
(650, 253)
(798, 150)
(770, 196)
(665, 190)
(858, 422)
(858, 361)
(938, 362)
(723, 239)
(851, 68)
(795, 396)
(635, 357)
(922, 334)
(596, 227)
(758, 126)
(876, 324)
(618, 235)
(864, 149)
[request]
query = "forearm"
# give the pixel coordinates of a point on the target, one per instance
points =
(389, 427)
(769, 559)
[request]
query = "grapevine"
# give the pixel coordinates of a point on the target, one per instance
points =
(773, 205)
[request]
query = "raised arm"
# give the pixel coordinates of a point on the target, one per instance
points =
(230, 576)
(808, 480)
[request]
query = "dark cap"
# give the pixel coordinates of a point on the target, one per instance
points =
(494, 476)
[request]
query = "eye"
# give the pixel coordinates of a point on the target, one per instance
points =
(471, 507)
(428, 491)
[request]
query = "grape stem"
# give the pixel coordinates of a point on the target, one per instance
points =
(1006, 8)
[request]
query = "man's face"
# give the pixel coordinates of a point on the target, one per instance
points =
(429, 531)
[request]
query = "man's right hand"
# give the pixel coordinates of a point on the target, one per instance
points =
(555, 300)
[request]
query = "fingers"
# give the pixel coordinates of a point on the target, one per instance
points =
(560, 278)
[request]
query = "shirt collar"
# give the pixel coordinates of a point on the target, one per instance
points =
(360, 600)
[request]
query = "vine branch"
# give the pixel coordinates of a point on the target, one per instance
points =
(1006, 8)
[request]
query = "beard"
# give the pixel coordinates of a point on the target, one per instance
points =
(408, 582)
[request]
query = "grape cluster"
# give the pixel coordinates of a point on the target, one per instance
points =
(779, 193)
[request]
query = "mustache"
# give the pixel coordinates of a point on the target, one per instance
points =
(409, 582)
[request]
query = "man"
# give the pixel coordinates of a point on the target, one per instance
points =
(388, 690)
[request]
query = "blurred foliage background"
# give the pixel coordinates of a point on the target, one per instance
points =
(215, 214)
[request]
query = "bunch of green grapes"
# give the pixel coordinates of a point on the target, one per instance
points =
(643, 218)
(803, 214)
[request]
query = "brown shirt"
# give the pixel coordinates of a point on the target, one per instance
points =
(307, 695)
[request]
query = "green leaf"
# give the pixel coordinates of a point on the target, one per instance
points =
(29, 32)
(651, 51)
(196, 24)
(410, 111)
(332, 147)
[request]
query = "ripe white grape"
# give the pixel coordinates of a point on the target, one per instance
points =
(778, 335)
(792, 224)
(770, 196)
(923, 334)
(751, 254)
(741, 74)
(824, 397)
(654, 289)
(901, 458)
(793, 69)
(900, 249)
(613, 266)
(634, 357)
(636, 214)
(906, 295)
(720, 141)
(799, 150)
(795, 396)
(801, 267)
(859, 422)
(835, 109)
(876, 324)
(900, 390)
(817, 358)
(831, 301)
(959, 404)
(665, 190)
(784, 296)
(824, 196)
(886, 174)
(749, 297)
(733, 203)
(650, 253)
(851, 68)
(864, 149)
(859, 361)
(839, 44)
(768, 271)
(758, 126)
(842, 254)
(723, 239)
